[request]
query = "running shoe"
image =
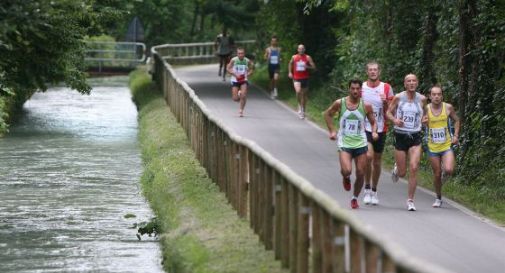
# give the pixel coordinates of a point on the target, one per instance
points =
(394, 174)
(374, 198)
(367, 199)
(275, 93)
(437, 204)
(354, 203)
(240, 113)
(410, 205)
(347, 183)
(301, 115)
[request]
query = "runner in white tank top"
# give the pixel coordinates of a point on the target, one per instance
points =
(378, 94)
(407, 112)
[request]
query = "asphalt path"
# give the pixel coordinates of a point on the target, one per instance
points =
(451, 237)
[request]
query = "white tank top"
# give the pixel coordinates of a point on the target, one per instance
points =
(372, 96)
(410, 112)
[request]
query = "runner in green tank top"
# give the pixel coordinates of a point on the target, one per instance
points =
(240, 68)
(351, 137)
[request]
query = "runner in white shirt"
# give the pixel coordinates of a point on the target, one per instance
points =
(378, 94)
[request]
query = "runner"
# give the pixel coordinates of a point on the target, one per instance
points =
(440, 140)
(406, 112)
(223, 46)
(240, 68)
(273, 57)
(298, 71)
(351, 137)
(378, 94)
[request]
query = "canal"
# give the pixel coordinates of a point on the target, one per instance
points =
(69, 186)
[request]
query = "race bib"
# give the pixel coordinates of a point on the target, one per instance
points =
(241, 68)
(438, 135)
(301, 66)
(409, 120)
(351, 127)
(379, 116)
(274, 59)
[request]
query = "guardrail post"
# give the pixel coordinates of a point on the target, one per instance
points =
(276, 182)
(372, 254)
(327, 242)
(388, 265)
(302, 256)
(338, 246)
(261, 199)
(293, 227)
(285, 223)
(252, 190)
(243, 181)
(356, 244)
(268, 226)
(316, 239)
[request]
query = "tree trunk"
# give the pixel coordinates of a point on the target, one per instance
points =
(195, 17)
(428, 77)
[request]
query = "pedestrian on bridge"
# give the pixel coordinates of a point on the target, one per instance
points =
(240, 67)
(223, 46)
(440, 139)
(407, 113)
(299, 66)
(273, 57)
(351, 137)
(378, 94)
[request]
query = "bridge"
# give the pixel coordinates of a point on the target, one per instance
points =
(281, 173)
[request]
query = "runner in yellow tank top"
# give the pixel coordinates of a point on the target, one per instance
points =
(440, 139)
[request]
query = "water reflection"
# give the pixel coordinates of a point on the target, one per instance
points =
(69, 173)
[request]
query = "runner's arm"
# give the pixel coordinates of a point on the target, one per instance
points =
(457, 123)
(389, 113)
(229, 67)
(267, 53)
(371, 118)
(290, 68)
(311, 62)
(328, 117)
(251, 68)
(424, 119)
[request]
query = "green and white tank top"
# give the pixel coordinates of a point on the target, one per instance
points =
(240, 68)
(351, 134)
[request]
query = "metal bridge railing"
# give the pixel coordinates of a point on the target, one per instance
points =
(307, 230)
(194, 53)
(114, 54)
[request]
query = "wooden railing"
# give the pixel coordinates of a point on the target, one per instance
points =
(306, 228)
(193, 53)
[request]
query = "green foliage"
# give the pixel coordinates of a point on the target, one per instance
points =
(41, 43)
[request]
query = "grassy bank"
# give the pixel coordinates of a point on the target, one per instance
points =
(200, 232)
(481, 200)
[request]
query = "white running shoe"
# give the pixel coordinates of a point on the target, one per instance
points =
(374, 198)
(394, 174)
(437, 204)
(410, 205)
(274, 93)
(301, 115)
(367, 199)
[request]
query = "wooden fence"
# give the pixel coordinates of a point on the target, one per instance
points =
(307, 230)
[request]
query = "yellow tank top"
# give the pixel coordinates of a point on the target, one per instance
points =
(439, 139)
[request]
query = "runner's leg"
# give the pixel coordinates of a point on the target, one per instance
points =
(437, 174)
(414, 159)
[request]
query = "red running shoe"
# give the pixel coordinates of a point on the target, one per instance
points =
(354, 204)
(347, 183)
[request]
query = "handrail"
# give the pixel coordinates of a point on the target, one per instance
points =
(288, 213)
(192, 53)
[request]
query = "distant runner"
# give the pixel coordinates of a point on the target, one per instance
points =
(298, 71)
(224, 47)
(351, 137)
(440, 139)
(240, 68)
(406, 111)
(378, 94)
(273, 57)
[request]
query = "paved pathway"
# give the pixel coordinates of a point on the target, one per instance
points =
(449, 237)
